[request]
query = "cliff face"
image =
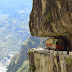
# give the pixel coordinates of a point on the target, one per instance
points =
(46, 62)
(51, 18)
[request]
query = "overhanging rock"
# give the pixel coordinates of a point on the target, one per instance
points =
(51, 18)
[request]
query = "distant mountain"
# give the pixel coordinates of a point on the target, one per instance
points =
(12, 33)
(18, 61)
(14, 29)
(4, 64)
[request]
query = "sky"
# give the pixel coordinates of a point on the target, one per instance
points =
(12, 6)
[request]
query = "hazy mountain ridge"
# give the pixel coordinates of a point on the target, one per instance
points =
(12, 34)
(14, 28)
(17, 62)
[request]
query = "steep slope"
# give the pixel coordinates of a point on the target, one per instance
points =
(13, 32)
(18, 59)
(51, 18)
(24, 67)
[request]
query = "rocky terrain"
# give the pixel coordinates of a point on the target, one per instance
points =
(52, 18)
(41, 60)
(49, 18)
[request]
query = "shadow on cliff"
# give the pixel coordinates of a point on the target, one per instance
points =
(67, 44)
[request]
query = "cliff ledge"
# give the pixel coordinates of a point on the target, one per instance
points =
(44, 61)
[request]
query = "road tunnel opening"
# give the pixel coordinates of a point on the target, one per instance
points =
(66, 42)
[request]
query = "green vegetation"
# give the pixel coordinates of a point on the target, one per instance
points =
(24, 67)
(63, 2)
(35, 51)
(56, 56)
(69, 64)
(69, 61)
(48, 17)
(32, 68)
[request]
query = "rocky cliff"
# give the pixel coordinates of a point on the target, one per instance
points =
(43, 61)
(51, 18)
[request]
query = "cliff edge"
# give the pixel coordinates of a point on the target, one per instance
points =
(51, 18)
(45, 61)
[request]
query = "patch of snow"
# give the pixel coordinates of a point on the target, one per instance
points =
(39, 49)
(4, 63)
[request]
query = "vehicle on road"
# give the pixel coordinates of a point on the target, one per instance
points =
(54, 44)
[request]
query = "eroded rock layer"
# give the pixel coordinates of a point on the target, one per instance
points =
(46, 62)
(51, 18)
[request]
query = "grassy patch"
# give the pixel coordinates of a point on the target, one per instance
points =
(48, 17)
(56, 56)
(24, 67)
(63, 2)
(35, 51)
(32, 68)
(69, 61)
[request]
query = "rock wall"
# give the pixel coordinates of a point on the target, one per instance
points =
(51, 18)
(46, 62)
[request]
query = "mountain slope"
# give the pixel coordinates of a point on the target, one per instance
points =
(14, 30)
(18, 59)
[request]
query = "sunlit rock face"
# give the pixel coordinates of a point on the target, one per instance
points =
(51, 18)
(46, 62)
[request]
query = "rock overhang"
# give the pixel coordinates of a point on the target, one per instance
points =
(51, 18)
